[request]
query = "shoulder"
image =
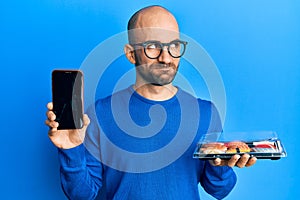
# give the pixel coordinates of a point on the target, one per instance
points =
(206, 107)
(121, 95)
(201, 102)
(209, 115)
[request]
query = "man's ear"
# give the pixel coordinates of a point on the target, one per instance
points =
(129, 52)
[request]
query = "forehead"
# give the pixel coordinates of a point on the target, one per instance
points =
(155, 24)
(153, 33)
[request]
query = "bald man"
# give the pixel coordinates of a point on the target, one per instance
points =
(138, 143)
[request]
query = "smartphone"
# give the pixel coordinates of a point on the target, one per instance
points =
(67, 98)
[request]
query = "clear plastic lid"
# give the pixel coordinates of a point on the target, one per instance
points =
(260, 144)
(239, 136)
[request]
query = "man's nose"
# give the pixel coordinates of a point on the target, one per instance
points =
(165, 57)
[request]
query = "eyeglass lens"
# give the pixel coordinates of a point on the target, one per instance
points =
(154, 49)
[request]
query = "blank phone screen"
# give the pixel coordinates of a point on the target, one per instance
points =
(67, 94)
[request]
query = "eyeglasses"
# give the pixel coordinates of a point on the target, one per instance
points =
(153, 48)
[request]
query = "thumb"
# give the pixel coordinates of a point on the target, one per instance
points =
(215, 162)
(86, 120)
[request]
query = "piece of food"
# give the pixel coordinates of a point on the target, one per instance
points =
(264, 145)
(213, 148)
(237, 147)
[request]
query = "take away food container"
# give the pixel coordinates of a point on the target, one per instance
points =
(259, 144)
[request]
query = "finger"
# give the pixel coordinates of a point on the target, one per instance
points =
(216, 162)
(233, 160)
(243, 161)
(50, 115)
(251, 162)
(51, 124)
(50, 105)
(53, 127)
(52, 132)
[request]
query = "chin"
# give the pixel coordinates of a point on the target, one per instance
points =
(162, 82)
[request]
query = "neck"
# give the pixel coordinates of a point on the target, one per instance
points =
(156, 92)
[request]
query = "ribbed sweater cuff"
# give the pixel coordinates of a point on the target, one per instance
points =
(220, 172)
(73, 157)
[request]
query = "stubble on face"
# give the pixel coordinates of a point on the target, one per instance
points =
(157, 73)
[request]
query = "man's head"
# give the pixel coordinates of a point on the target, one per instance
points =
(154, 23)
(150, 18)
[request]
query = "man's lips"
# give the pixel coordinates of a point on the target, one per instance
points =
(163, 66)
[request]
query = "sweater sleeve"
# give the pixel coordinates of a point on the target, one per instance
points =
(81, 173)
(218, 181)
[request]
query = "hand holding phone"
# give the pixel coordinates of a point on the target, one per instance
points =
(65, 139)
(65, 116)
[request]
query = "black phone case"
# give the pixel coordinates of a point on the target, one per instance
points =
(67, 98)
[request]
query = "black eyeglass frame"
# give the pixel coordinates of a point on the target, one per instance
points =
(162, 45)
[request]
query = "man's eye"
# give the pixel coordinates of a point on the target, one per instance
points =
(153, 46)
(175, 45)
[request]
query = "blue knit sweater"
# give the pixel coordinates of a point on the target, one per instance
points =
(136, 148)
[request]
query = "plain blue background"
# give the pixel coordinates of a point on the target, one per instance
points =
(255, 44)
